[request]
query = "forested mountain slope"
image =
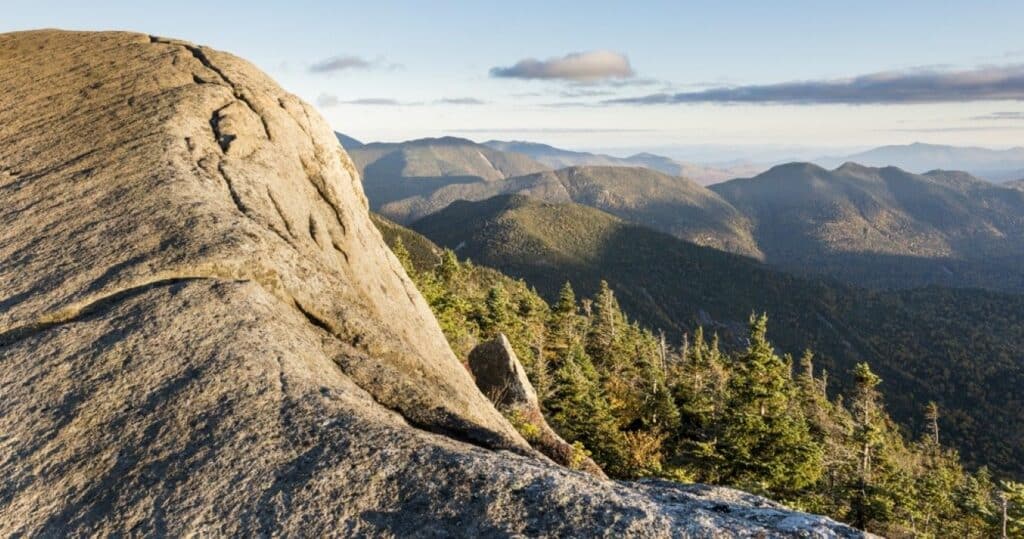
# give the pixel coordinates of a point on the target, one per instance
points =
(885, 227)
(397, 171)
(957, 347)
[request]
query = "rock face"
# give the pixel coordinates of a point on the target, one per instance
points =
(202, 332)
(501, 377)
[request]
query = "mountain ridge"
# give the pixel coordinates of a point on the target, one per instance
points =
(558, 158)
(994, 165)
(884, 226)
(670, 284)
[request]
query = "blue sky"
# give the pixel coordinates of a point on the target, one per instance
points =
(412, 69)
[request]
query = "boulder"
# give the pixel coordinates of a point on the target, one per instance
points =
(202, 333)
(501, 377)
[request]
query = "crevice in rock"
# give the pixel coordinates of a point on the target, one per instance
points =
(280, 213)
(340, 250)
(198, 54)
(76, 312)
(314, 319)
(323, 195)
(231, 189)
(223, 140)
(313, 229)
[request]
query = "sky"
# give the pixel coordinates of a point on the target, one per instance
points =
(693, 79)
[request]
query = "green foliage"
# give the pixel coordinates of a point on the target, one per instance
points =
(522, 424)
(958, 347)
(1012, 495)
(748, 418)
(764, 441)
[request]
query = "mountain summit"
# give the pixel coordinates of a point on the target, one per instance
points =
(203, 333)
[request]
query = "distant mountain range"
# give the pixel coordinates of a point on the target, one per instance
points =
(927, 344)
(885, 227)
(558, 158)
(993, 165)
(878, 227)
(396, 176)
(409, 180)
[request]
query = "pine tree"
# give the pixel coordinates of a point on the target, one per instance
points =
(931, 417)
(1012, 499)
(869, 503)
(448, 270)
(450, 305)
(606, 328)
(813, 399)
(497, 315)
(581, 413)
(566, 300)
(765, 442)
(699, 378)
(564, 329)
(403, 256)
(976, 504)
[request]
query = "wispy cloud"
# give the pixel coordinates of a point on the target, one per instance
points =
(328, 100)
(335, 64)
(889, 87)
(460, 101)
(622, 83)
(1014, 115)
(586, 92)
(578, 66)
(967, 129)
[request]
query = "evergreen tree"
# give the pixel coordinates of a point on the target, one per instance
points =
(869, 503)
(448, 270)
(403, 256)
(564, 327)
(931, 418)
(765, 442)
(581, 413)
(606, 327)
(497, 315)
(699, 379)
(1012, 500)
(976, 505)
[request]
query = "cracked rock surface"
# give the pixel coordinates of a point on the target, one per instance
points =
(202, 332)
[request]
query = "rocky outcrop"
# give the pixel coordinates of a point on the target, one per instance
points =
(502, 378)
(201, 332)
(500, 375)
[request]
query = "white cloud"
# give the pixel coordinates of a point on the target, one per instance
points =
(578, 66)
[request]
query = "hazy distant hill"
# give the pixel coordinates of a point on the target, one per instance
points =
(672, 204)
(878, 227)
(559, 158)
(394, 171)
(885, 226)
(958, 347)
(993, 165)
